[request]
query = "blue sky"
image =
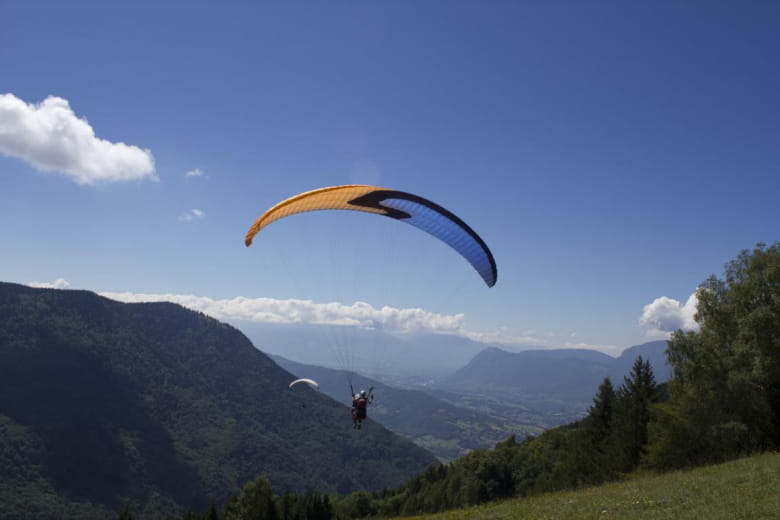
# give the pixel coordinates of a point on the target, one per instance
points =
(611, 154)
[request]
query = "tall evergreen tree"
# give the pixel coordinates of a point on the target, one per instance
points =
(599, 419)
(634, 399)
(211, 513)
(125, 514)
(290, 507)
(597, 449)
(318, 507)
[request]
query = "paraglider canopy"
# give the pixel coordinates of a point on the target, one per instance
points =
(406, 207)
(312, 383)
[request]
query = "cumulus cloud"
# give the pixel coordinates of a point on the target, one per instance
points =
(50, 137)
(59, 283)
(503, 337)
(358, 314)
(193, 214)
(197, 172)
(271, 310)
(665, 315)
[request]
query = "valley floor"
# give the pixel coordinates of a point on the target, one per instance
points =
(740, 489)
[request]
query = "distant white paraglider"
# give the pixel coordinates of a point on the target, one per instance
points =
(312, 383)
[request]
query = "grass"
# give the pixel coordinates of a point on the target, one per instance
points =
(747, 488)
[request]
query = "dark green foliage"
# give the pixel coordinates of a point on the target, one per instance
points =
(358, 505)
(633, 403)
(599, 432)
(211, 513)
(105, 404)
(256, 501)
(600, 414)
(318, 507)
(290, 507)
(726, 386)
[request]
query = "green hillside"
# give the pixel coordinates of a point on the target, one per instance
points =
(104, 403)
(744, 488)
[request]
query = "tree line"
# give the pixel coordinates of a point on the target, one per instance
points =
(722, 402)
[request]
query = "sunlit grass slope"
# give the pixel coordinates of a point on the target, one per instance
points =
(748, 488)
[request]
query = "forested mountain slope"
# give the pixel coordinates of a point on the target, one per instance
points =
(104, 403)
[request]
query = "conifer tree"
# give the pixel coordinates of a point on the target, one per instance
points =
(211, 513)
(633, 401)
(599, 420)
(125, 514)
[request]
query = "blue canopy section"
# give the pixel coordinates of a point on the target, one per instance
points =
(447, 227)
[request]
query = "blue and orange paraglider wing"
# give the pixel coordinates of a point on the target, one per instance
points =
(406, 207)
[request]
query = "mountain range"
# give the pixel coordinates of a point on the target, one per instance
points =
(104, 404)
(418, 357)
(374, 352)
(563, 380)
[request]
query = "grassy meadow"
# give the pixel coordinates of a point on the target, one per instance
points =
(747, 488)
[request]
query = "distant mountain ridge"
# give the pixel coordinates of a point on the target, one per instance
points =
(105, 403)
(567, 376)
(369, 351)
(411, 357)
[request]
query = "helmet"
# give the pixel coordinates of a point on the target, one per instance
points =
(362, 393)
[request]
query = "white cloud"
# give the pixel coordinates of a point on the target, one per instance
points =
(59, 283)
(503, 337)
(50, 137)
(191, 215)
(306, 311)
(665, 315)
(358, 314)
(197, 172)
